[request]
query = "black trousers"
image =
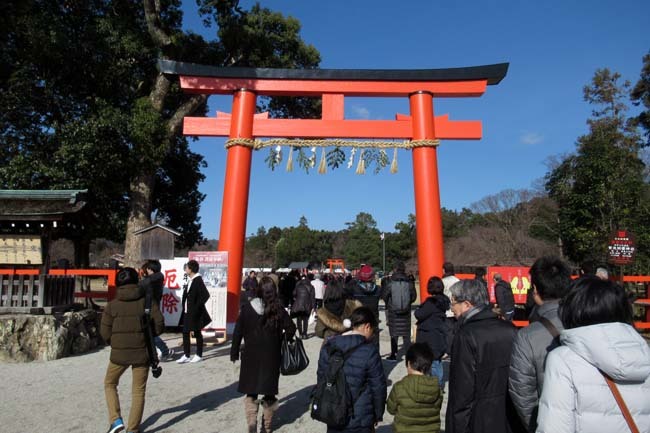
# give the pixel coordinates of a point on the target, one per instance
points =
(406, 339)
(303, 321)
(187, 344)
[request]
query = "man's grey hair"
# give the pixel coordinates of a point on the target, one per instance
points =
(602, 273)
(471, 291)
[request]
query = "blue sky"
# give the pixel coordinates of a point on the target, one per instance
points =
(536, 112)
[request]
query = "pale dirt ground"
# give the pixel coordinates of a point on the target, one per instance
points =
(67, 395)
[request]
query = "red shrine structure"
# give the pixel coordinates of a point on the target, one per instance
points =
(333, 85)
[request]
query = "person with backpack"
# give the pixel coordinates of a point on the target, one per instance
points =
(398, 295)
(417, 398)
(550, 278)
(350, 394)
(121, 327)
(432, 325)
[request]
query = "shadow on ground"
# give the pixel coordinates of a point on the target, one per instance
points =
(204, 402)
(293, 406)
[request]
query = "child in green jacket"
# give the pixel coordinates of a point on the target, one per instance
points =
(415, 400)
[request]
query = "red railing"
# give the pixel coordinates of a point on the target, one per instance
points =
(109, 274)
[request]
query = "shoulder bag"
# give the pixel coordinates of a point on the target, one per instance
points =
(293, 356)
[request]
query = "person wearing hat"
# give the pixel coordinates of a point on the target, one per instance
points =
(364, 290)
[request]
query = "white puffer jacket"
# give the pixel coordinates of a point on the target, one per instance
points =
(576, 397)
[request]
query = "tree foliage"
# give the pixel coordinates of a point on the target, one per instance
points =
(641, 96)
(82, 104)
(601, 188)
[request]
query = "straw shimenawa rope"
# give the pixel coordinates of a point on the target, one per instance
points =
(257, 144)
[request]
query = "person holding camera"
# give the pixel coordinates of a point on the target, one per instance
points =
(121, 327)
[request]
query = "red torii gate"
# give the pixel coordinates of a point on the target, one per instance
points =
(420, 86)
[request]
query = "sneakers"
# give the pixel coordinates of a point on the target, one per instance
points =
(168, 357)
(183, 359)
(196, 358)
(392, 358)
(117, 426)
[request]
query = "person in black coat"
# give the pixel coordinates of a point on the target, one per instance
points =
(432, 325)
(399, 322)
(480, 359)
(303, 304)
(363, 371)
(194, 315)
(153, 282)
(505, 298)
(261, 324)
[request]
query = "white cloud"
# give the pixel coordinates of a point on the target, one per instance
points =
(531, 138)
(360, 112)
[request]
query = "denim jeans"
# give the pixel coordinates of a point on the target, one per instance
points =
(438, 371)
(161, 345)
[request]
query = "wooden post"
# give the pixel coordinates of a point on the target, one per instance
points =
(232, 232)
(41, 291)
(428, 216)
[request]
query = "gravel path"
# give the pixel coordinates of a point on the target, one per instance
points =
(67, 395)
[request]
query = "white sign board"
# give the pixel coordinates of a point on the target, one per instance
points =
(173, 290)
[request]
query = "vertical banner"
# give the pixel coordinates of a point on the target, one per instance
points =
(213, 267)
(173, 289)
(516, 276)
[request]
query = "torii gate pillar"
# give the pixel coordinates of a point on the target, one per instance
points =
(428, 215)
(234, 210)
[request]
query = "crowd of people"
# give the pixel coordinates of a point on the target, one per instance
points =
(558, 374)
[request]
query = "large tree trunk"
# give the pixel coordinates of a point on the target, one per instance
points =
(139, 216)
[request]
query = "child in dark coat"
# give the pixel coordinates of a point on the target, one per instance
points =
(432, 325)
(416, 399)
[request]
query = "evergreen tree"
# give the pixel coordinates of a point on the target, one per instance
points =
(601, 188)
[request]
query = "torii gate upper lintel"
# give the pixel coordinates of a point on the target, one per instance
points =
(420, 86)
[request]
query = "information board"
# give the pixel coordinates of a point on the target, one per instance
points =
(20, 250)
(621, 248)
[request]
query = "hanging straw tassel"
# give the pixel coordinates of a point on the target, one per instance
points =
(290, 159)
(393, 164)
(361, 167)
(322, 167)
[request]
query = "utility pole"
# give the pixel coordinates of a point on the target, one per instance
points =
(383, 249)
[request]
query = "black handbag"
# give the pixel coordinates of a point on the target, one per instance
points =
(294, 358)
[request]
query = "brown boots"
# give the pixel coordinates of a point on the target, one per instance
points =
(251, 406)
(268, 410)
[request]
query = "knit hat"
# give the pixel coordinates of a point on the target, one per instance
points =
(365, 273)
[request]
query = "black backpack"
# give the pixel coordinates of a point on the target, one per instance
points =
(331, 399)
(400, 296)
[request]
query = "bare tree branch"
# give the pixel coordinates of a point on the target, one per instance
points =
(151, 14)
(188, 107)
(159, 92)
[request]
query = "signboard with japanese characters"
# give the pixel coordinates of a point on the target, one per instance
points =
(20, 250)
(621, 248)
(213, 268)
(173, 290)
